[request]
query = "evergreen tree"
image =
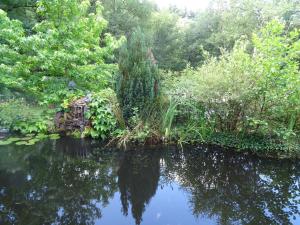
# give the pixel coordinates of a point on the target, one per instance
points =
(138, 80)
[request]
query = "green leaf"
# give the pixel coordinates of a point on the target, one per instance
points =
(22, 143)
(14, 139)
(6, 142)
(54, 136)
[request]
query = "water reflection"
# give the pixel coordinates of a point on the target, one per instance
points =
(239, 189)
(71, 182)
(45, 186)
(138, 178)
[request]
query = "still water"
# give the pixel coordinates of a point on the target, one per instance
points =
(76, 182)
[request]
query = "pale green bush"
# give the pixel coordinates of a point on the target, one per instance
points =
(241, 92)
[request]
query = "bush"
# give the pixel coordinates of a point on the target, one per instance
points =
(216, 96)
(278, 86)
(103, 114)
(241, 92)
(31, 119)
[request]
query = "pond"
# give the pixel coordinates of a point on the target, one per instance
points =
(71, 181)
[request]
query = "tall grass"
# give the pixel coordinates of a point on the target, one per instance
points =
(167, 118)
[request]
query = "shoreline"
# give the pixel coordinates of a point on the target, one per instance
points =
(229, 143)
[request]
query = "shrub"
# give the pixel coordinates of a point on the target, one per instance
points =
(137, 84)
(31, 119)
(278, 86)
(241, 92)
(103, 115)
(215, 96)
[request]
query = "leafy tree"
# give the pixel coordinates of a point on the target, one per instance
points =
(167, 37)
(11, 60)
(125, 16)
(225, 22)
(138, 80)
(278, 57)
(196, 38)
(23, 10)
(64, 48)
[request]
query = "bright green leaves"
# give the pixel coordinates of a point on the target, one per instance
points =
(214, 96)
(277, 57)
(11, 61)
(65, 47)
(72, 51)
(101, 115)
(11, 30)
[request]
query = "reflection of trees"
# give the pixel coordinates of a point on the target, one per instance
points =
(239, 189)
(44, 184)
(138, 178)
(50, 187)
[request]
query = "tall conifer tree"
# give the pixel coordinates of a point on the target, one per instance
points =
(138, 80)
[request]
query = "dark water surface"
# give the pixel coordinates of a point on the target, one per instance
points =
(76, 182)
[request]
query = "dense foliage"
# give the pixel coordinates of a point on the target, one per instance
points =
(138, 81)
(102, 111)
(244, 93)
(23, 10)
(64, 48)
(227, 75)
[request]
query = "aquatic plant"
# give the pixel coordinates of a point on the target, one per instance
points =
(28, 139)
